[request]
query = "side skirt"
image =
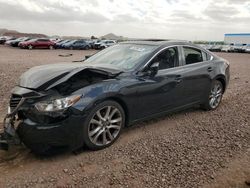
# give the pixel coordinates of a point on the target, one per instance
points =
(161, 114)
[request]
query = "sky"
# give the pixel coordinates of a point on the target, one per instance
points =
(163, 19)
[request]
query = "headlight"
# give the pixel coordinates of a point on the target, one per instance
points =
(57, 104)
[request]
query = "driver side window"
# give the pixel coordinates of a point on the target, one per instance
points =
(167, 58)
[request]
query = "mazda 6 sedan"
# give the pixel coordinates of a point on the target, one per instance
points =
(75, 104)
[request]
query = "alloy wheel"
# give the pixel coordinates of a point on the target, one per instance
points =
(215, 95)
(105, 125)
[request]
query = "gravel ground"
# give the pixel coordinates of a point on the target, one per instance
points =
(192, 148)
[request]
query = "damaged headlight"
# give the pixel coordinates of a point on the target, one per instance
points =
(57, 104)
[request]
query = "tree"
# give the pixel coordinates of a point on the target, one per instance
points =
(93, 37)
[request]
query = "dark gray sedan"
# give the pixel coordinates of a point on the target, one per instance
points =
(76, 104)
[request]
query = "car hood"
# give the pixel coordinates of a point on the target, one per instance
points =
(47, 76)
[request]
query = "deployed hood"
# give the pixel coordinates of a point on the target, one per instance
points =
(47, 76)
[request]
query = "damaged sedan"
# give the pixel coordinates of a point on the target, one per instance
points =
(75, 104)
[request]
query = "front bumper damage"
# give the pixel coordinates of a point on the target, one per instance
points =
(42, 138)
(25, 126)
(8, 136)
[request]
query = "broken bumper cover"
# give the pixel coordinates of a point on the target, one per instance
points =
(40, 138)
(8, 136)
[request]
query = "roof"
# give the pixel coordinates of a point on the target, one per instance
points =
(237, 34)
(158, 43)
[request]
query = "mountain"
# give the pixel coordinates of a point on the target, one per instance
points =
(3, 31)
(7, 32)
(112, 36)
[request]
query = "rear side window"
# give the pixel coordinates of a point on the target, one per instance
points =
(43, 40)
(206, 56)
(192, 55)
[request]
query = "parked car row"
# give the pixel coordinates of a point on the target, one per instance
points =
(240, 48)
(37, 43)
(31, 43)
(6, 38)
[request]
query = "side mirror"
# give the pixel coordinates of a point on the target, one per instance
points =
(153, 69)
(87, 56)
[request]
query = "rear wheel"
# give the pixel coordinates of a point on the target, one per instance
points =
(87, 48)
(215, 96)
(103, 125)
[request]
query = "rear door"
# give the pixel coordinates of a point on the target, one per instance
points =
(197, 67)
(42, 43)
(76, 44)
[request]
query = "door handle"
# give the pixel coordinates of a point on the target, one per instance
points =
(209, 69)
(178, 78)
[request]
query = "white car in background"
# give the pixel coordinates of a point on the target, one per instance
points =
(107, 43)
(247, 48)
(227, 48)
(239, 48)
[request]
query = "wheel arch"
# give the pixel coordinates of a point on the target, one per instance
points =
(222, 79)
(123, 105)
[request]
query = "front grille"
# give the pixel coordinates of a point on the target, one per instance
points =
(14, 101)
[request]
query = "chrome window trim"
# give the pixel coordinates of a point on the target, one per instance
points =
(211, 58)
(179, 45)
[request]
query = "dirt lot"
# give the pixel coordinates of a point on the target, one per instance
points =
(193, 148)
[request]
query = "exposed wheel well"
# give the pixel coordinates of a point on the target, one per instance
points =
(222, 80)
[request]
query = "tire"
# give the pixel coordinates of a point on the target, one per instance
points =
(87, 48)
(30, 47)
(214, 97)
(51, 47)
(99, 133)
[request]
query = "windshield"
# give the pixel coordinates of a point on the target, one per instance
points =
(71, 42)
(121, 56)
(32, 40)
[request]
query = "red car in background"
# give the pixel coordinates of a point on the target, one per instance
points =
(37, 43)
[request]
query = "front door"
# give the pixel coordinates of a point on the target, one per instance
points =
(161, 92)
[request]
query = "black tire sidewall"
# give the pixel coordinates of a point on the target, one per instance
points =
(91, 113)
(207, 105)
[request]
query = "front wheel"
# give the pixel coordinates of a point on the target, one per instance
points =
(214, 97)
(30, 47)
(103, 125)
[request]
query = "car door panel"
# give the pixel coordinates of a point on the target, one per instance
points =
(195, 82)
(39, 44)
(159, 93)
(196, 79)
